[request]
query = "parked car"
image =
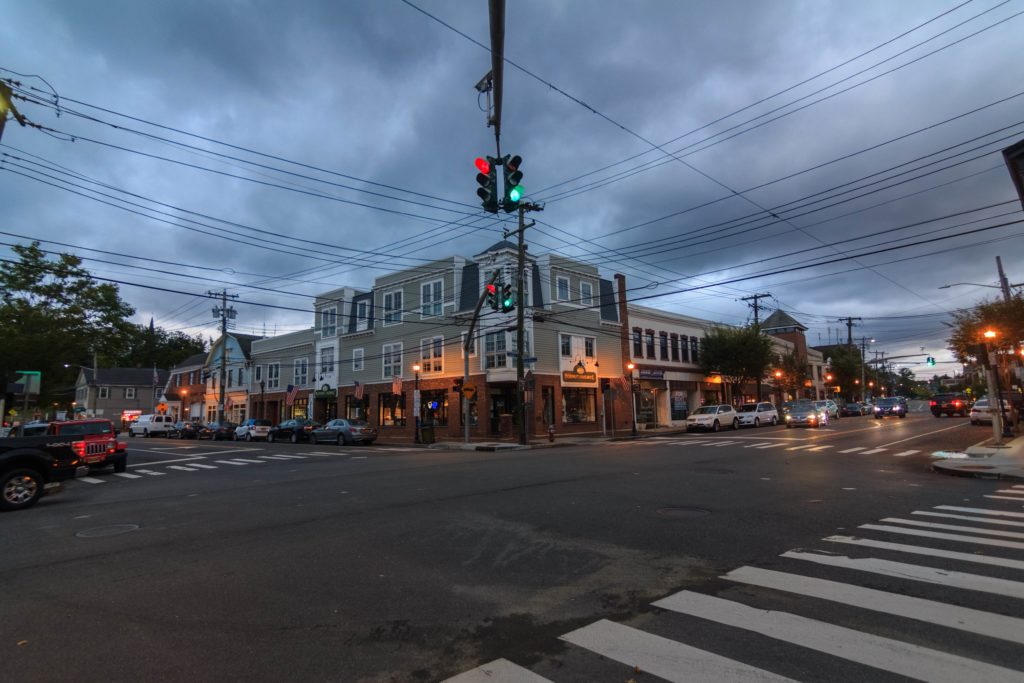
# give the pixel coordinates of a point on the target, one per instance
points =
(852, 409)
(344, 432)
(184, 430)
(832, 407)
(981, 411)
(252, 429)
(96, 440)
(891, 405)
(713, 418)
(151, 425)
(757, 414)
(950, 404)
(30, 465)
(294, 430)
(218, 431)
(807, 413)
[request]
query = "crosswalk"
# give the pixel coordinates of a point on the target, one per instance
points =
(785, 445)
(936, 594)
(145, 471)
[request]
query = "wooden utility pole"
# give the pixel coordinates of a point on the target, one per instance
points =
(224, 313)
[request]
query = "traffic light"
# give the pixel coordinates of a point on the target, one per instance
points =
(492, 296)
(930, 361)
(488, 181)
(508, 302)
(513, 176)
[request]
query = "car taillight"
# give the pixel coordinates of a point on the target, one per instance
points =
(934, 403)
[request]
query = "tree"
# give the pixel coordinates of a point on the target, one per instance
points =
(738, 354)
(845, 366)
(1006, 318)
(150, 346)
(53, 312)
(794, 372)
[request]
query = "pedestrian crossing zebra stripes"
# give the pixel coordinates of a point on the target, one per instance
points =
(927, 584)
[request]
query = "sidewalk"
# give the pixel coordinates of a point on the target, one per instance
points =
(986, 460)
(538, 441)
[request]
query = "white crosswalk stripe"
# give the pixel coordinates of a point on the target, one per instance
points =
(981, 511)
(904, 454)
(202, 466)
(246, 461)
(152, 473)
(799, 448)
(232, 462)
(954, 527)
(819, 448)
(931, 552)
(286, 457)
(91, 480)
(944, 536)
(854, 449)
(1003, 497)
(498, 671)
(981, 520)
(873, 451)
(759, 445)
(127, 475)
(181, 468)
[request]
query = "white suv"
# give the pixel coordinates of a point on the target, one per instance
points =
(757, 414)
(251, 429)
(713, 418)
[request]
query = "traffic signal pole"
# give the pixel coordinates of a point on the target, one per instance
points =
(465, 353)
(521, 319)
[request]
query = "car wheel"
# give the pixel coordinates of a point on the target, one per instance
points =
(248, 436)
(757, 422)
(294, 438)
(121, 464)
(346, 440)
(20, 489)
(716, 427)
(735, 423)
(131, 433)
(341, 439)
(775, 421)
(145, 433)
(270, 437)
(312, 439)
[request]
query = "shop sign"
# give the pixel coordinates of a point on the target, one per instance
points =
(652, 374)
(579, 377)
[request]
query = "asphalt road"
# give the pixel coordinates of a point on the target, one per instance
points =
(278, 562)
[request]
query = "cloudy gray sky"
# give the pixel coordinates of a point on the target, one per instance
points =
(708, 150)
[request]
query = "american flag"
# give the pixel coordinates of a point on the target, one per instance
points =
(292, 393)
(359, 391)
(624, 385)
(228, 403)
(156, 377)
(396, 384)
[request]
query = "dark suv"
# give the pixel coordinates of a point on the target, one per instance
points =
(950, 404)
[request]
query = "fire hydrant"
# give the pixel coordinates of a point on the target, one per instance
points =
(551, 433)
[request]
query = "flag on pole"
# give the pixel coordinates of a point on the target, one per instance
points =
(359, 391)
(396, 384)
(156, 377)
(292, 393)
(228, 403)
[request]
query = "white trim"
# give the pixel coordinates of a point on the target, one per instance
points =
(587, 302)
(430, 300)
(332, 314)
(558, 288)
(396, 367)
(361, 355)
(393, 309)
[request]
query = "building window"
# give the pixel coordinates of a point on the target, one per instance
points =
(241, 377)
(579, 405)
(649, 343)
(494, 350)
(393, 307)
(391, 410)
(231, 378)
(177, 380)
(562, 288)
(684, 349)
(638, 346)
(432, 354)
(328, 322)
(431, 298)
(434, 407)
(526, 343)
(357, 360)
(357, 408)
(675, 347)
(274, 376)
(104, 392)
(129, 392)
(472, 346)
(663, 343)
(693, 349)
(362, 315)
(566, 346)
(391, 355)
(586, 294)
(259, 373)
(300, 374)
(589, 347)
(327, 359)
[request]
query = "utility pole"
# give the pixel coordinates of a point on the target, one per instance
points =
(849, 329)
(863, 353)
(223, 312)
(757, 326)
(521, 318)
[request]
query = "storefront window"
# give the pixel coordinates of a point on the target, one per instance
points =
(299, 408)
(679, 407)
(434, 407)
(579, 405)
(391, 410)
(357, 409)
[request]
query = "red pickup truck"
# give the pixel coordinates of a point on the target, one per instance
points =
(95, 442)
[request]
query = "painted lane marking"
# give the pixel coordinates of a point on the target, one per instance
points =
(498, 671)
(904, 454)
(288, 457)
(152, 473)
(183, 469)
(981, 511)
(854, 449)
(231, 462)
(819, 448)
(768, 445)
(919, 609)
(90, 480)
(167, 462)
(798, 448)
(273, 457)
(873, 451)
(204, 467)
(930, 552)
(953, 527)
(939, 577)
(918, 436)
(662, 657)
(126, 475)
(912, 661)
(359, 457)
(1003, 498)
(759, 445)
(968, 518)
(1011, 492)
(243, 460)
(944, 536)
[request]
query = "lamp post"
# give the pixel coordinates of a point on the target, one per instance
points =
(184, 408)
(416, 400)
(778, 385)
(1000, 428)
(263, 408)
(632, 393)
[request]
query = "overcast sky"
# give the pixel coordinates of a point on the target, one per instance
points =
(707, 150)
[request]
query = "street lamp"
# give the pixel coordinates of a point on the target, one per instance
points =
(632, 392)
(416, 400)
(184, 407)
(1000, 427)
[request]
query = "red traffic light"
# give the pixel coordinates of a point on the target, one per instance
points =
(482, 165)
(491, 289)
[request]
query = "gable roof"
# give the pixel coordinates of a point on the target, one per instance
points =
(780, 320)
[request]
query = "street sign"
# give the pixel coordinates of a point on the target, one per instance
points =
(469, 391)
(530, 359)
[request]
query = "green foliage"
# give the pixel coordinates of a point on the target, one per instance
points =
(52, 312)
(153, 346)
(846, 367)
(1006, 318)
(740, 355)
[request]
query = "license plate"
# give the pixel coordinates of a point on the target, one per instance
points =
(93, 459)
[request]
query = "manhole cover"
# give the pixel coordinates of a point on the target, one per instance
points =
(112, 530)
(682, 512)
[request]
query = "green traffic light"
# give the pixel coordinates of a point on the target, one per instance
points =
(516, 193)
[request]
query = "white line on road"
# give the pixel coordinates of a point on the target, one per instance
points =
(359, 457)
(91, 480)
(1011, 491)
(662, 657)
(904, 454)
(167, 462)
(912, 661)
(953, 527)
(854, 449)
(759, 445)
(919, 609)
(126, 475)
(243, 460)
(276, 457)
(767, 445)
(1003, 498)
(289, 457)
(498, 671)
(983, 520)
(918, 436)
(798, 448)
(152, 473)
(981, 511)
(930, 552)
(232, 462)
(183, 469)
(944, 536)
(819, 448)
(873, 451)
(940, 577)
(204, 467)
